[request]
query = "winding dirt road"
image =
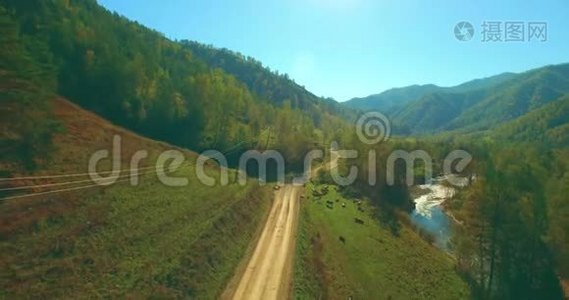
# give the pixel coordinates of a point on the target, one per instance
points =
(269, 271)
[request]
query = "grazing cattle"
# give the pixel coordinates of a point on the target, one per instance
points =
(342, 239)
(330, 204)
(344, 204)
(359, 221)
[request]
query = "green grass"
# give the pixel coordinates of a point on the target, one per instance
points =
(149, 241)
(372, 263)
(136, 241)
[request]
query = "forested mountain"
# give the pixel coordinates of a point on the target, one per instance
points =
(26, 86)
(138, 79)
(478, 104)
(434, 111)
(515, 97)
(392, 99)
(269, 85)
(395, 99)
(547, 126)
(482, 83)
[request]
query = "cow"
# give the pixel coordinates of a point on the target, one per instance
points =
(342, 239)
(359, 221)
(329, 204)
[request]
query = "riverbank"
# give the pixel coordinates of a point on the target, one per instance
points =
(343, 251)
(431, 214)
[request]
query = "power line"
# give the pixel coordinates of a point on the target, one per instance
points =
(69, 183)
(77, 188)
(58, 191)
(70, 175)
(74, 175)
(241, 142)
(234, 148)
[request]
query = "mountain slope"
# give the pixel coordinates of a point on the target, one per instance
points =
(516, 97)
(121, 241)
(547, 126)
(487, 105)
(391, 99)
(482, 83)
(269, 85)
(136, 78)
(394, 100)
(434, 111)
(26, 85)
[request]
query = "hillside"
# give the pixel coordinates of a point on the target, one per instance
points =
(433, 112)
(476, 105)
(393, 100)
(121, 241)
(269, 85)
(515, 97)
(138, 79)
(547, 126)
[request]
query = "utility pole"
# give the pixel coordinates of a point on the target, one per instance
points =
(268, 139)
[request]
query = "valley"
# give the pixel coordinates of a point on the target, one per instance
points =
(367, 221)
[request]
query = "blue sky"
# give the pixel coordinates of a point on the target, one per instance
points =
(353, 48)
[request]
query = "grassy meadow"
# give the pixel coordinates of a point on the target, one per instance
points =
(124, 241)
(371, 263)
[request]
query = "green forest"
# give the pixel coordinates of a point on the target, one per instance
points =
(136, 78)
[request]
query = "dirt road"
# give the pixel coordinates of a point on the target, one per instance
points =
(269, 271)
(268, 274)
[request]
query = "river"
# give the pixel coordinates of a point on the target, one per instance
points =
(429, 214)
